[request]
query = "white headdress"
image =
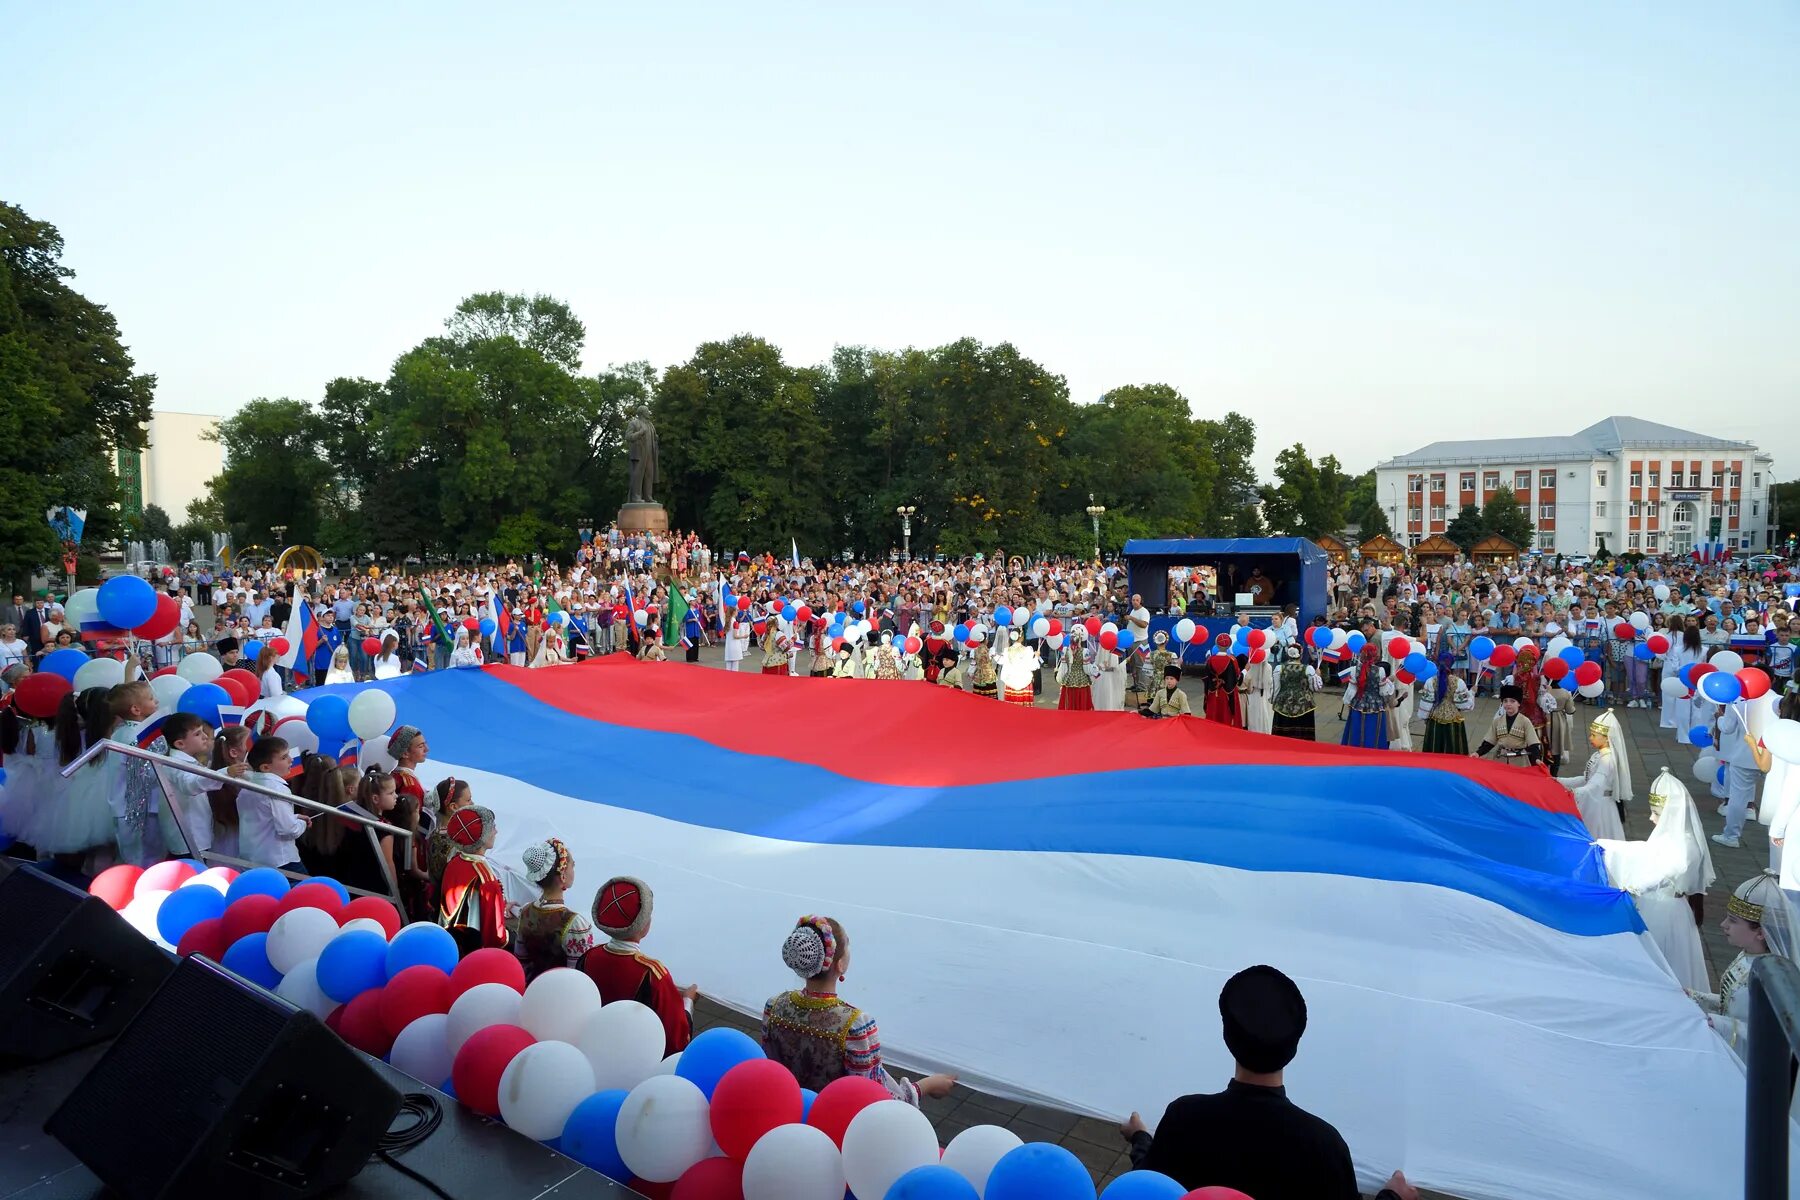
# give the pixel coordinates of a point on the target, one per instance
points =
(1676, 851)
(1608, 724)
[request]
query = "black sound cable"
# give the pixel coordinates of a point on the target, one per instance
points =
(426, 1115)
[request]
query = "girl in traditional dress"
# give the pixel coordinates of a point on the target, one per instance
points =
(1605, 784)
(1077, 692)
(1660, 872)
(1445, 730)
(1222, 678)
(1160, 658)
(775, 651)
(1757, 921)
(551, 934)
(473, 904)
(340, 672)
(1366, 702)
(1259, 683)
(1291, 708)
(984, 679)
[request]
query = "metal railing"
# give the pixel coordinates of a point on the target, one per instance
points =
(372, 827)
(1774, 1039)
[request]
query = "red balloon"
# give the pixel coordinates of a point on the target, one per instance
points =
(240, 695)
(161, 671)
(1108, 639)
(480, 1063)
(1587, 672)
(1403, 675)
(1625, 631)
(40, 695)
(743, 603)
(913, 644)
(651, 1191)
(1092, 625)
(1399, 647)
(363, 1025)
(1256, 638)
(115, 885)
(751, 1099)
(204, 937)
(371, 646)
(248, 915)
(1055, 629)
(165, 876)
(1503, 656)
(164, 620)
(1216, 1193)
(839, 1102)
(711, 1179)
(1658, 643)
(335, 1017)
(803, 613)
(1259, 655)
(487, 966)
(471, 624)
(1754, 681)
(311, 895)
(1554, 669)
(279, 645)
(374, 908)
(251, 685)
(1700, 669)
(413, 993)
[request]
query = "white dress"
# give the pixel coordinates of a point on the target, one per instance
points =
(387, 668)
(1403, 716)
(28, 780)
(1678, 714)
(1109, 682)
(1259, 715)
(73, 814)
(1670, 924)
(1594, 797)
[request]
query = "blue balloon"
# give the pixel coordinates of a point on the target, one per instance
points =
(203, 700)
(1572, 655)
(489, 627)
(807, 1096)
(64, 662)
(258, 881)
(1039, 1171)
(713, 1053)
(352, 963)
(1686, 675)
(935, 1182)
(1719, 775)
(248, 956)
(251, 648)
(588, 1135)
(1428, 671)
(1002, 617)
(1127, 640)
(1355, 642)
(125, 601)
(1721, 688)
(789, 613)
(421, 945)
(857, 608)
(329, 717)
(1481, 648)
(1699, 735)
(1143, 1185)
(961, 632)
(1643, 651)
(184, 908)
(1416, 662)
(343, 893)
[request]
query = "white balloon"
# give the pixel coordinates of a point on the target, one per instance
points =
(1519, 643)
(1706, 768)
(83, 605)
(1783, 741)
(140, 914)
(1640, 621)
(623, 1042)
(369, 923)
(973, 1152)
(1108, 625)
(296, 733)
(558, 1005)
(663, 1128)
(1673, 688)
(99, 672)
(280, 707)
(542, 1085)
(977, 636)
(371, 714)
(884, 1142)
(168, 689)
(1661, 592)
(374, 753)
(1728, 661)
(1184, 629)
(299, 935)
(422, 1051)
(668, 1065)
(794, 1162)
(300, 987)
(1556, 646)
(482, 1005)
(1340, 638)
(200, 667)
(1590, 690)
(217, 883)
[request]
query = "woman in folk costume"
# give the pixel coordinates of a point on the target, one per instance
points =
(1259, 685)
(1605, 784)
(1158, 661)
(737, 638)
(1445, 729)
(1109, 680)
(776, 648)
(1222, 677)
(1530, 681)
(551, 934)
(1757, 921)
(473, 905)
(984, 679)
(822, 653)
(1367, 699)
(1661, 871)
(1291, 708)
(1018, 669)
(1076, 692)
(883, 661)
(463, 654)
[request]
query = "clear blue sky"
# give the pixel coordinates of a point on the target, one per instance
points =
(1367, 226)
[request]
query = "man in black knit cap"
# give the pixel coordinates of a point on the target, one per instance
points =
(1251, 1136)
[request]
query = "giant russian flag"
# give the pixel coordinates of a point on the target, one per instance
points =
(1048, 904)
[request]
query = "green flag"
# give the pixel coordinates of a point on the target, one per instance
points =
(442, 626)
(678, 611)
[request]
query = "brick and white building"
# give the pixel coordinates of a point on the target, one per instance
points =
(1639, 485)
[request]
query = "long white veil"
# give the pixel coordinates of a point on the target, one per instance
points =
(1676, 851)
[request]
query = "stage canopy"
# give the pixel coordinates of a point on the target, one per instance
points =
(1295, 565)
(1049, 903)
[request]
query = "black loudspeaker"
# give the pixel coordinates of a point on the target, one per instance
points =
(220, 1088)
(72, 972)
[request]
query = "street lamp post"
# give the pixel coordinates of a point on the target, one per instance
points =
(1095, 512)
(905, 513)
(280, 532)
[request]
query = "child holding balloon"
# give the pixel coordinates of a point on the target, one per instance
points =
(131, 785)
(189, 737)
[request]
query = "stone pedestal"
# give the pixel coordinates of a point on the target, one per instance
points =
(643, 517)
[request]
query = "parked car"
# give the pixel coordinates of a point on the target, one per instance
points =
(1764, 562)
(1579, 560)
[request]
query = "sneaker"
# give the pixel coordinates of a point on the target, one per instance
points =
(1723, 807)
(1729, 842)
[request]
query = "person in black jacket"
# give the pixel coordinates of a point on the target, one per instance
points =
(1251, 1136)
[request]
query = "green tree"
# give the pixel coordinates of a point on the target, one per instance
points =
(70, 399)
(542, 323)
(1503, 515)
(1784, 507)
(1374, 520)
(155, 525)
(1307, 499)
(1465, 529)
(275, 473)
(1233, 441)
(1139, 450)
(1359, 497)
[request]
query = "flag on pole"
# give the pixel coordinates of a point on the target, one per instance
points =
(440, 627)
(795, 545)
(302, 636)
(674, 626)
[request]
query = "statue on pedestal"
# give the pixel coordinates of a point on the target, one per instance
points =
(640, 447)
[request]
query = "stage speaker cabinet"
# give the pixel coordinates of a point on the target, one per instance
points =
(220, 1088)
(72, 972)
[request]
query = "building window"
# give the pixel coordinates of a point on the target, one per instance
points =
(1633, 541)
(1490, 481)
(1731, 510)
(1468, 481)
(1600, 477)
(1737, 479)
(1546, 539)
(1655, 477)
(1546, 512)
(1599, 508)
(1675, 476)
(1756, 508)
(1412, 514)
(1717, 509)
(1415, 483)
(1636, 509)
(1756, 479)
(1637, 479)
(1437, 483)
(1718, 479)
(1650, 540)
(1546, 479)
(1437, 512)
(1521, 481)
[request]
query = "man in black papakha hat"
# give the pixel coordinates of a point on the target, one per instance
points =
(1251, 1136)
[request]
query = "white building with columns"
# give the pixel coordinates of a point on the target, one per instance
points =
(1635, 484)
